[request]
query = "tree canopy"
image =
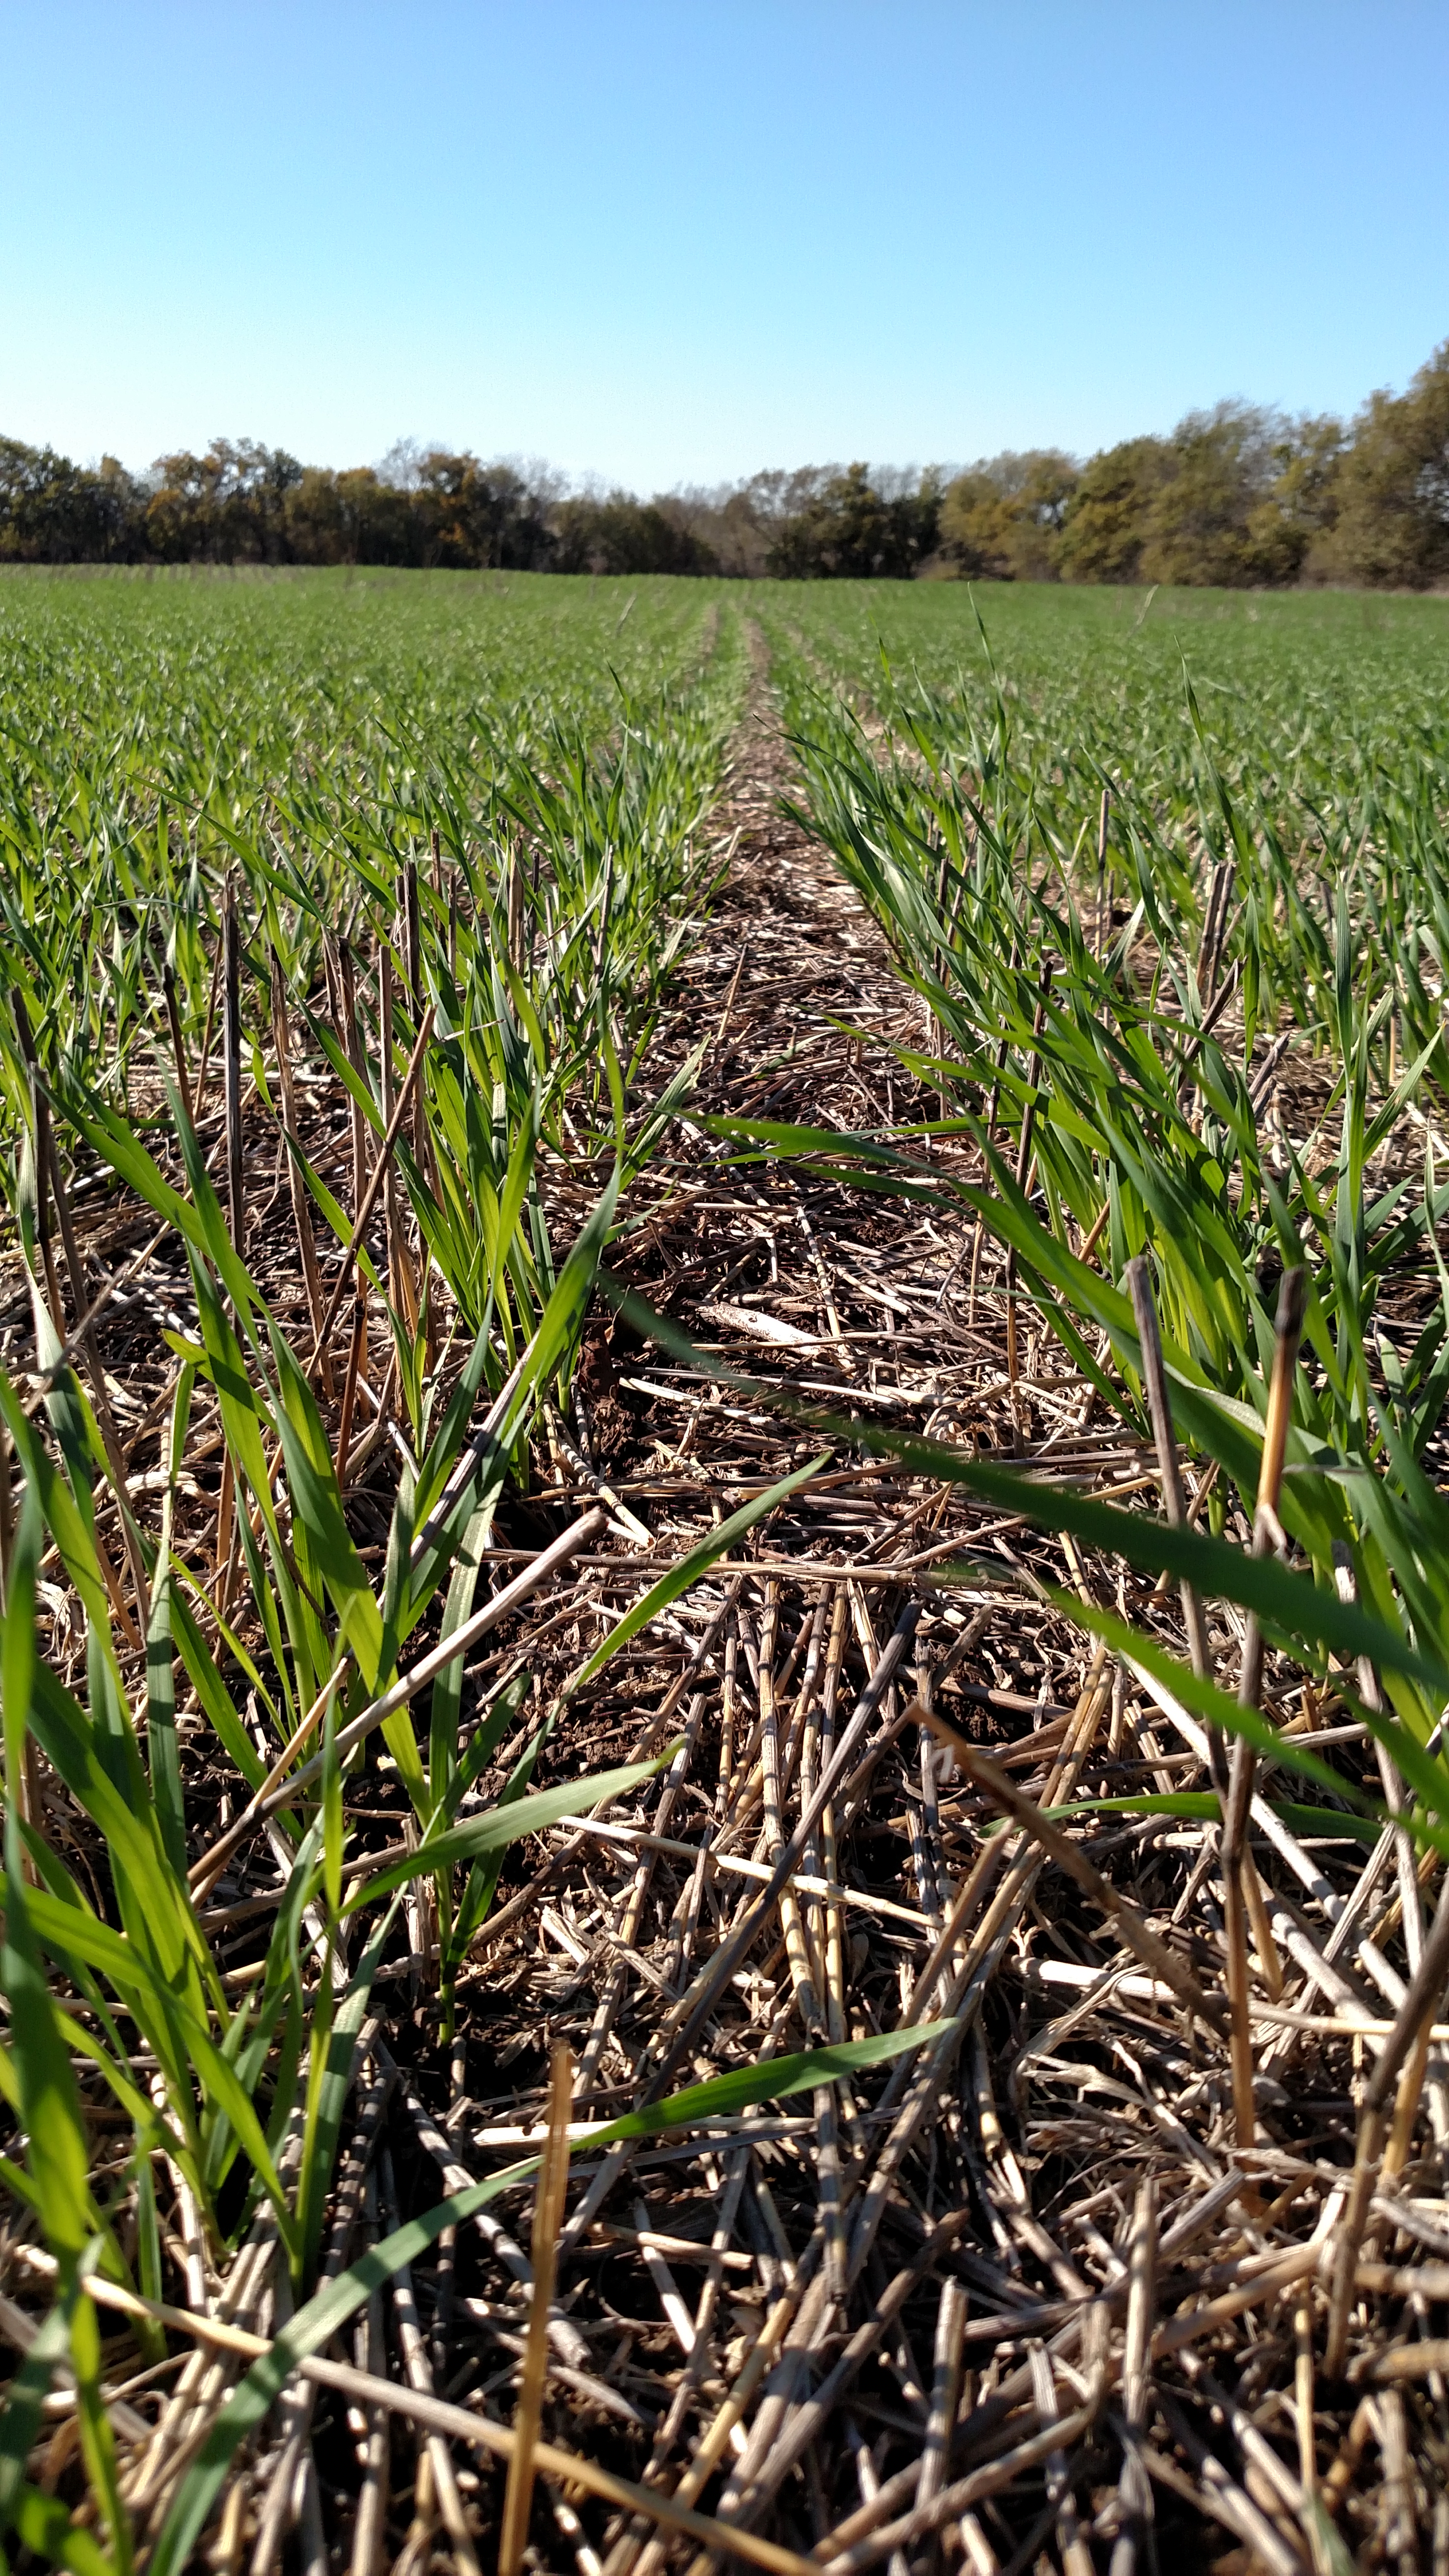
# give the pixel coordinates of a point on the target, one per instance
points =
(1234, 496)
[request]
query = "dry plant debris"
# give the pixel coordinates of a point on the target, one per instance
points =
(1143, 2243)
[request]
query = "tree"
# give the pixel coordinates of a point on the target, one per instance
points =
(52, 511)
(848, 528)
(1104, 526)
(621, 535)
(1391, 525)
(227, 506)
(350, 518)
(736, 525)
(471, 516)
(1236, 495)
(1301, 504)
(1002, 519)
(1199, 522)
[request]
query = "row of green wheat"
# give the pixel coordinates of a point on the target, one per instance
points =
(1117, 976)
(485, 901)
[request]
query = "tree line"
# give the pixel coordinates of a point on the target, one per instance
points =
(1237, 496)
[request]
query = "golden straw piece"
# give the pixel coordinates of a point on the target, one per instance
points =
(550, 2194)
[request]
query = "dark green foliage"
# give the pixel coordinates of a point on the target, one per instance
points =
(1392, 489)
(850, 528)
(1106, 525)
(241, 502)
(1233, 498)
(52, 511)
(622, 535)
(1236, 498)
(1003, 521)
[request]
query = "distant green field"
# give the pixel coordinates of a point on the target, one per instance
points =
(308, 732)
(470, 641)
(1309, 696)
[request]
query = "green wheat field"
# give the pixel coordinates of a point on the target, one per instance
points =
(395, 1080)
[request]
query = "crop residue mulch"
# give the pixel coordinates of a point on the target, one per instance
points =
(1015, 2293)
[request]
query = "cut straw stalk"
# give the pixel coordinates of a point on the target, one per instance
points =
(1134, 2493)
(688, 2016)
(550, 2193)
(460, 2424)
(48, 1173)
(1174, 1499)
(1154, 1376)
(356, 1354)
(988, 1130)
(231, 1065)
(402, 1286)
(1393, 2092)
(1023, 1178)
(1215, 925)
(301, 1215)
(1236, 1859)
(75, 1341)
(342, 982)
(1267, 2278)
(369, 1200)
(1127, 1918)
(178, 1043)
(208, 1032)
(40, 1130)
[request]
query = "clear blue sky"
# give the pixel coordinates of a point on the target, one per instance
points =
(674, 240)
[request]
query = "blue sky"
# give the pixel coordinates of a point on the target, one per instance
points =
(676, 242)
